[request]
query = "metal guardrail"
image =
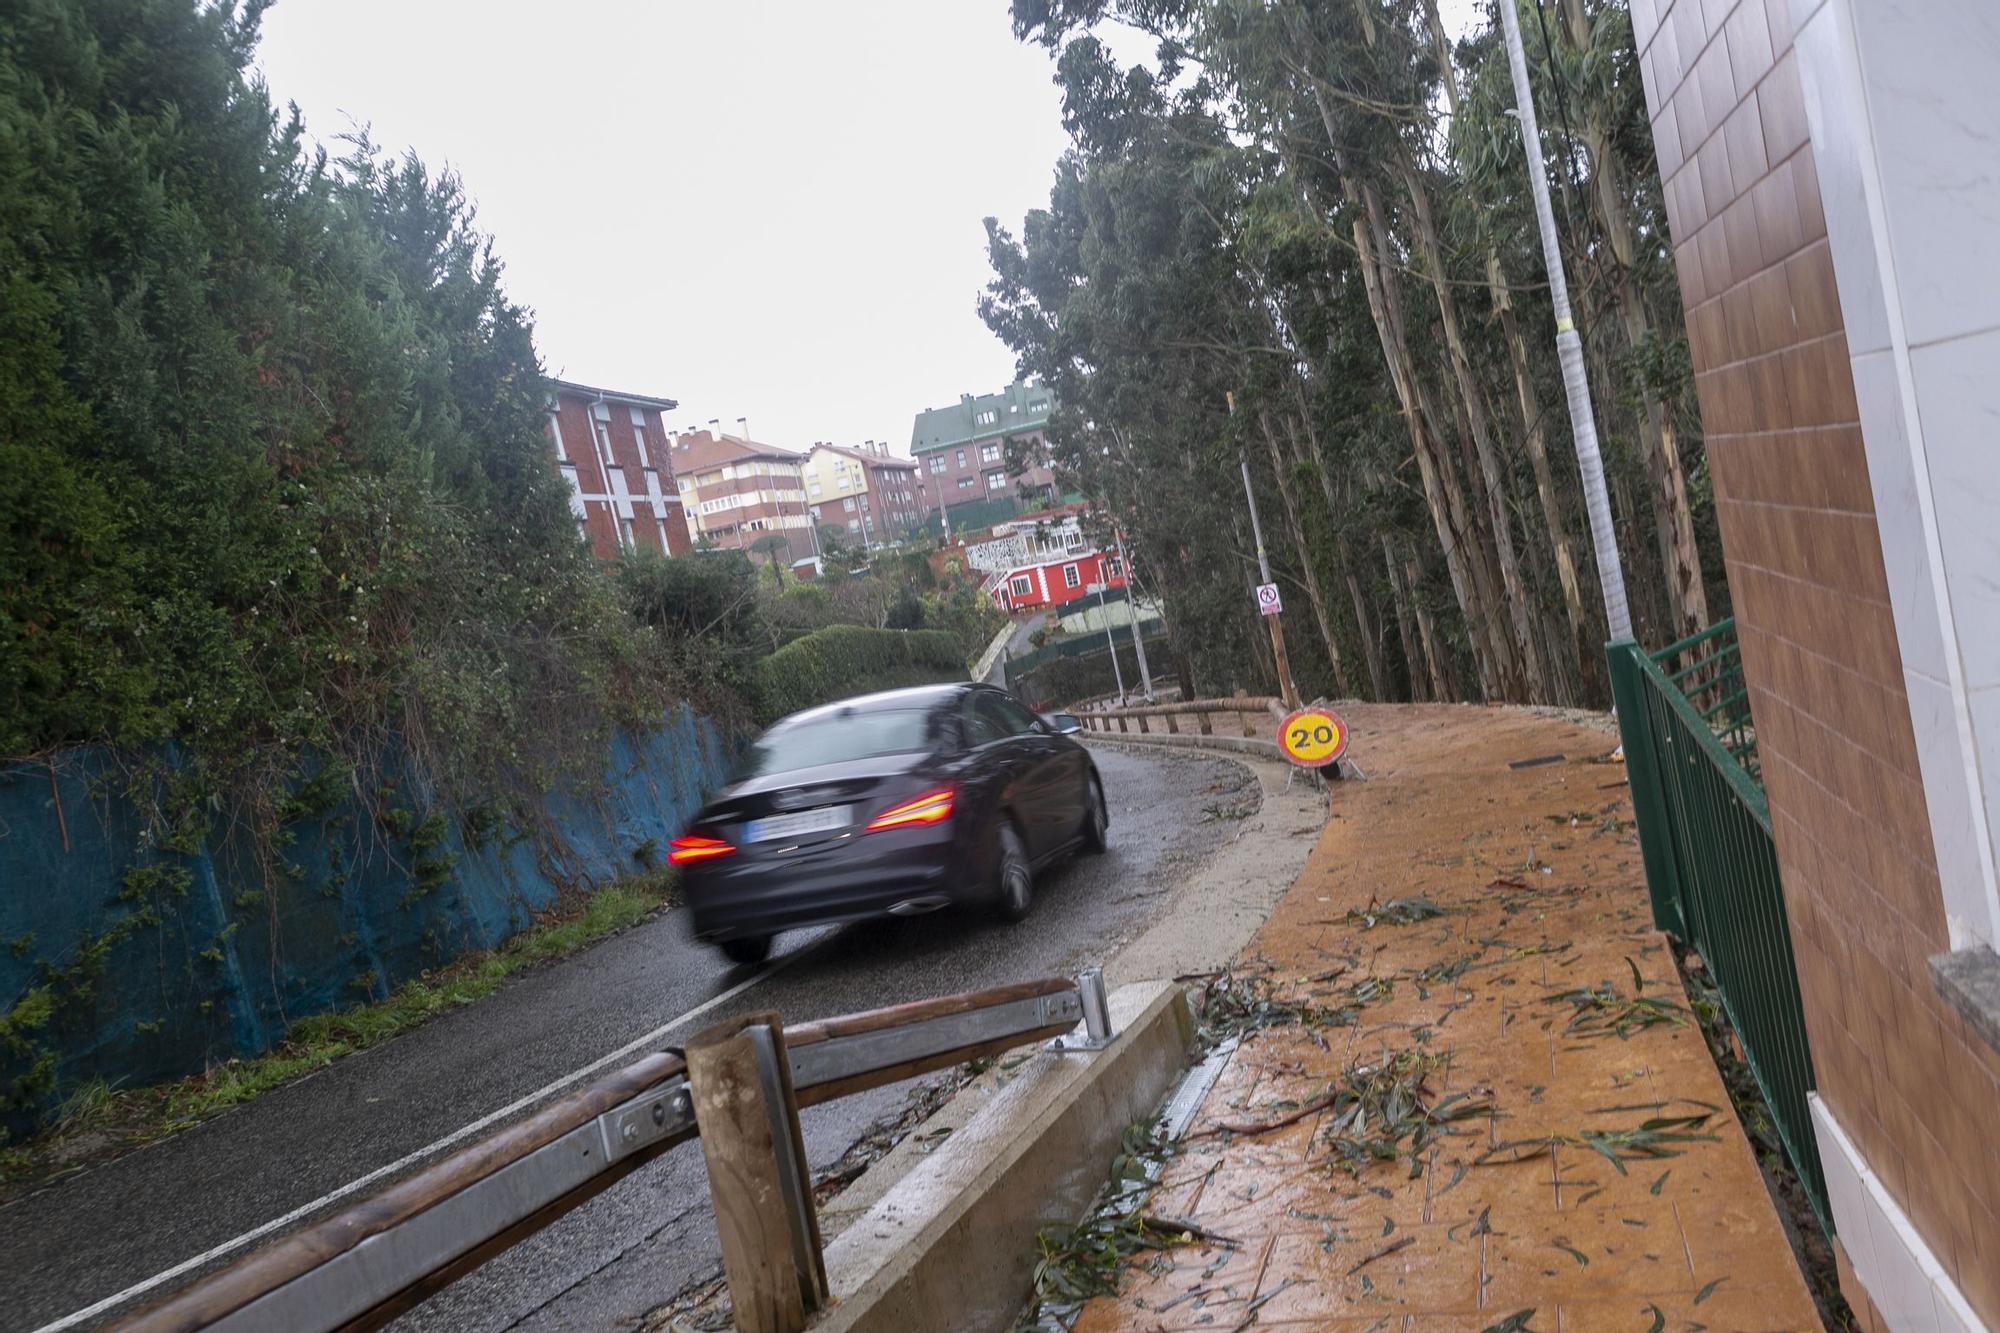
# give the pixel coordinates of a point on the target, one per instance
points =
(1711, 866)
(739, 1088)
(1244, 707)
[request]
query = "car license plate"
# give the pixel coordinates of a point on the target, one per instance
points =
(823, 820)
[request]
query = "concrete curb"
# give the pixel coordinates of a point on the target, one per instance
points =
(951, 1245)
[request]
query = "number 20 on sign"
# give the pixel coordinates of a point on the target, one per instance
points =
(1312, 737)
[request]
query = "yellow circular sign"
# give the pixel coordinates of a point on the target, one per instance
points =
(1312, 737)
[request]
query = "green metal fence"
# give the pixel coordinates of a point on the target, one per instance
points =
(1707, 668)
(1705, 833)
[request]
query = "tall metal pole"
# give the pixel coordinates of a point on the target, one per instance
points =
(1569, 347)
(1109, 642)
(1285, 686)
(1132, 608)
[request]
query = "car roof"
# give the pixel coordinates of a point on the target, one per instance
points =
(916, 696)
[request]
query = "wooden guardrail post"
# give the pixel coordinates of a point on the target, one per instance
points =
(757, 1174)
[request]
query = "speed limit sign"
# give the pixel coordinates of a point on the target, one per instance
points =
(1312, 737)
(1267, 599)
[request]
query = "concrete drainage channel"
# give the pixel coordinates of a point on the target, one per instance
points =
(940, 1233)
(950, 1245)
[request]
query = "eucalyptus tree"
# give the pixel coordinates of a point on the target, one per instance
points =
(1312, 204)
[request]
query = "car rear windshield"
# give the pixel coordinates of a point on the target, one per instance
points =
(841, 738)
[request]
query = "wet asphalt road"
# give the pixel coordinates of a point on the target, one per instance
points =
(636, 1245)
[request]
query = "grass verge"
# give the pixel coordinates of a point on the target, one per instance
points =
(99, 1122)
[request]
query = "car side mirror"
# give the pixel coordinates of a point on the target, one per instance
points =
(1064, 724)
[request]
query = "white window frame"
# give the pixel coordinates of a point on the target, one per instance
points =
(1021, 586)
(1072, 577)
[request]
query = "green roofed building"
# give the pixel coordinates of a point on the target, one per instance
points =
(961, 450)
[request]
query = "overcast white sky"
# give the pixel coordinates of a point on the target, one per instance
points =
(760, 209)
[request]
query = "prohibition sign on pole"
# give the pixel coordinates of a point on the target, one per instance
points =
(1312, 737)
(1268, 602)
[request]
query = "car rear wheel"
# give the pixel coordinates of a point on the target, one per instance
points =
(1013, 876)
(1096, 819)
(747, 949)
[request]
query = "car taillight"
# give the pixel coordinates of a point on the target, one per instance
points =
(690, 847)
(933, 807)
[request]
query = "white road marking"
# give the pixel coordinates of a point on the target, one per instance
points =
(429, 1150)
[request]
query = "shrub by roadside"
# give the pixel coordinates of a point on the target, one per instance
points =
(840, 660)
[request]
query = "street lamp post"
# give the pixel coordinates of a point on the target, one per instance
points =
(1569, 346)
(1132, 609)
(1116, 673)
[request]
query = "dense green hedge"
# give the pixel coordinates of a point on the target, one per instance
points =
(840, 660)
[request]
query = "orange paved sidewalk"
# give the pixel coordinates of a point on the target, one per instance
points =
(1539, 876)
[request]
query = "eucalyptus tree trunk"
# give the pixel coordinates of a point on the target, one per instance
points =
(1440, 659)
(1478, 553)
(1307, 565)
(1521, 676)
(1519, 607)
(1371, 637)
(1420, 689)
(1673, 523)
(1138, 511)
(1534, 432)
(1442, 493)
(1308, 452)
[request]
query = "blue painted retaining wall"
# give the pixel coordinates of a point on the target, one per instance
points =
(198, 967)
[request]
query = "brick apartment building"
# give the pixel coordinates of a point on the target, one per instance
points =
(735, 491)
(612, 450)
(869, 497)
(1832, 180)
(962, 449)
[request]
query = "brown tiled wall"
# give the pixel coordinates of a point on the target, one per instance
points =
(1900, 1071)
